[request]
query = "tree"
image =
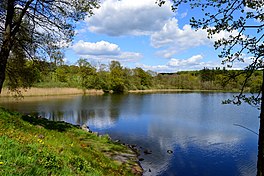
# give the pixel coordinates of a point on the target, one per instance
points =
(117, 77)
(244, 21)
(88, 74)
(19, 72)
(104, 78)
(46, 22)
(144, 78)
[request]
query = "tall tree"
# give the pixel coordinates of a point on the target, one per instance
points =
(117, 77)
(87, 73)
(47, 22)
(244, 21)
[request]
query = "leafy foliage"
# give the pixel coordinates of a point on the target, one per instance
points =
(116, 78)
(38, 29)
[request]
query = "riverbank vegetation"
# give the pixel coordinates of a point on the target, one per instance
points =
(114, 77)
(36, 146)
(55, 91)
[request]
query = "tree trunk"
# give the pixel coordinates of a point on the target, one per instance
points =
(7, 41)
(260, 166)
(4, 54)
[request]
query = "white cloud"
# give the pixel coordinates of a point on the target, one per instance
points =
(175, 39)
(96, 49)
(183, 38)
(174, 65)
(195, 62)
(133, 17)
(104, 51)
(192, 61)
(156, 68)
(129, 56)
(224, 34)
(172, 39)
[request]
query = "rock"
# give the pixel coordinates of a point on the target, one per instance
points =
(108, 137)
(96, 133)
(85, 128)
(149, 170)
(39, 126)
(169, 151)
(133, 145)
(41, 136)
(130, 146)
(147, 152)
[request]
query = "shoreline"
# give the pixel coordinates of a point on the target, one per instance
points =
(67, 144)
(32, 92)
(171, 90)
(50, 92)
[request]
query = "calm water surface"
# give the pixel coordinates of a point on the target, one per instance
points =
(202, 133)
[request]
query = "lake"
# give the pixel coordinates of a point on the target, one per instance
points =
(186, 133)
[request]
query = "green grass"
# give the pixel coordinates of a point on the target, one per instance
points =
(32, 146)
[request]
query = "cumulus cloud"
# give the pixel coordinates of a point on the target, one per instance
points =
(156, 68)
(183, 38)
(173, 39)
(192, 61)
(98, 48)
(224, 34)
(103, 51)
(174, 65)
(133, 17)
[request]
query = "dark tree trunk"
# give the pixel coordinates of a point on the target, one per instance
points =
(7, 41)
(260, 166)
(4, 54)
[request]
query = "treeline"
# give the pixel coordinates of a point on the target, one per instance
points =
(114, 77)
(211, 79)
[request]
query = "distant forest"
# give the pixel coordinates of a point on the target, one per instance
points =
(114, 77)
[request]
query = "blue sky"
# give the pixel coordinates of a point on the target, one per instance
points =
(139, 33)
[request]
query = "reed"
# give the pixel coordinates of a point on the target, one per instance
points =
(50, 92)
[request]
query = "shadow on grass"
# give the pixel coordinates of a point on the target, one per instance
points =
(45, 123)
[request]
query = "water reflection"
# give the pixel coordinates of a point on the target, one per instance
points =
(195, 126)
(99, 111)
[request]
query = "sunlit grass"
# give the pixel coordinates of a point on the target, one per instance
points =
(31, 146)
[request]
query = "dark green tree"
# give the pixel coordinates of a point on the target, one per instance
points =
(144, 77)
(244, 19)
(104, 78)
(207, 75)
(117, 77)
(88, 74)
(46, 22)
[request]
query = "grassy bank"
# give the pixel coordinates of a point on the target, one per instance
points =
(33, 146)
(50, 92)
